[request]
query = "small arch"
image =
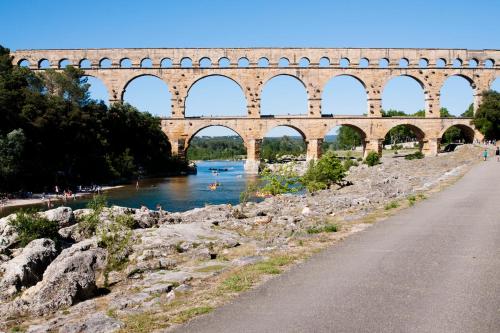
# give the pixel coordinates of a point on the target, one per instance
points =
(345, 139)
(283, 62)
(85, 64)
(186, 62)
(224, 62)
(243, 62)
(364, 62)
(344, 62)
(166, 63)
(403, 63)
(324, 62)
(63, 63)
(456, 134)
(205, 62)
(43, 64)
(23, 63)
(304, 62)
(489, 63)
(407, 135)
(383, 63)
(146, 63)
(263, 62)
(473, 63)
(441, 63)
(423, 63)
(457, 63)
(126, 63)
(105, 63)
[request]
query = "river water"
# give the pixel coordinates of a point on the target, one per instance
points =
(178, 193)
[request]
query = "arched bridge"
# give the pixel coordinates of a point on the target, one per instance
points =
(251, 68)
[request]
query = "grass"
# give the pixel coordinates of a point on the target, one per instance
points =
(141, 323)
(411, 200)
(391, 205)
(187, 314)
(330, 227)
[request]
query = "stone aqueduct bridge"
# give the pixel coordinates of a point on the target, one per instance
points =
(478, 67)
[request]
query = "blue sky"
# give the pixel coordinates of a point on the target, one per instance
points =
(217, 23)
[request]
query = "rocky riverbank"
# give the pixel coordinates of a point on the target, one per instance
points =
(143, 270)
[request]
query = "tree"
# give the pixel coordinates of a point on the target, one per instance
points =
(11, 151)
(347, 138)
(321, 174)
(487, 118)
(469, 112)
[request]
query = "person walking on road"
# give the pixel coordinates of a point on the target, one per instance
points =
(485, 153)
(497, 153)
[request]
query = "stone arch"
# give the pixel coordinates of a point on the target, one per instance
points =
(63, 63)
(44, 63)
(355, 85)
(23, 63)
(125, 63)
(225, 77)
(455, 96)
(224, 62)
(146, 63)
(105, 63)
(468, 132)
(166, 105)
(285, 126)
(495, 84)
(198, 129)
(205, 62)
(338, 126)
(85, 63)
(275, 90)
(165, 63)
(186, 62)
(98, 89)
(263, 62)
(419, 133)
(403, 82)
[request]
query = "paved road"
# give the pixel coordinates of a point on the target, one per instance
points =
(433, 268)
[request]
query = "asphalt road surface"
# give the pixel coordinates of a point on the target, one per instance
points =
(434, 267)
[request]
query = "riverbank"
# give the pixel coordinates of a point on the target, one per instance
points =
(180, 265)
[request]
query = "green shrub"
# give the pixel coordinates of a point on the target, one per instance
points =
(30, 226)
(411, 200)
(88, 225)
(282, 180)
(323, 228)
(391, 205)
(373, 158)
(349, 163)
(324, 172)
(415, 156)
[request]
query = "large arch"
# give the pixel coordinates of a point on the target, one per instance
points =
(495, 85)
(282, 139)
(344, 95)
(457, 94)
(97, 89)
(210, 132)
(215, 95)
(284, 94)
(352, 138)
(403, 93)
(458, 133)
(404, 134)
(148, 93)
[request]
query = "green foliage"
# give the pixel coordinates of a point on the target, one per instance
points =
(282, 180)
(347, 138)
(415, 156)
(324, 172)
(348, 163)
(330, 227)
(391, 205)
(88, 225)
(67, 138)
(470, 111)
(30, 226)
(487, 118)
(411, 200)
(373, 158)
(115, 238)
(216, 148)
(273, 148)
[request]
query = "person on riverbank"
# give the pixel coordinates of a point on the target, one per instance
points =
(497, 153)
(485, 154)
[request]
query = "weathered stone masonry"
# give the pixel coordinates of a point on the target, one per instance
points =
(478, 67)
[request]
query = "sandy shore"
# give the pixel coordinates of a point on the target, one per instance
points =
(52, 197)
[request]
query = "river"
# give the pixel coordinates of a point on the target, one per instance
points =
(178, 193)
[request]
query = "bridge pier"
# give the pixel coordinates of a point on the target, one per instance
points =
(431, 146)
(375, 145)
(252, 163)
(313, 149)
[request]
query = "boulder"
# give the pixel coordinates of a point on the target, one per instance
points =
(70, 278)
(72, 233)
(62, 215)
(27, 269)
(96, 322)
(8, 235)
(146, 218)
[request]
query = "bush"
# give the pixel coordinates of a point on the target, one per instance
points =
(391, 205)
(373, 158)
(89, 223)
(30, 226)
(415, 156)
(282, 180)
(324, 228)
(321, 174)
(349, 163)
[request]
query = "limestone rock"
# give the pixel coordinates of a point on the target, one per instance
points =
(62, 215)
(96, 322)
(27, 269)
(8, 235)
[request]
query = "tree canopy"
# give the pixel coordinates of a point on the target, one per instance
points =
(487, 118)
